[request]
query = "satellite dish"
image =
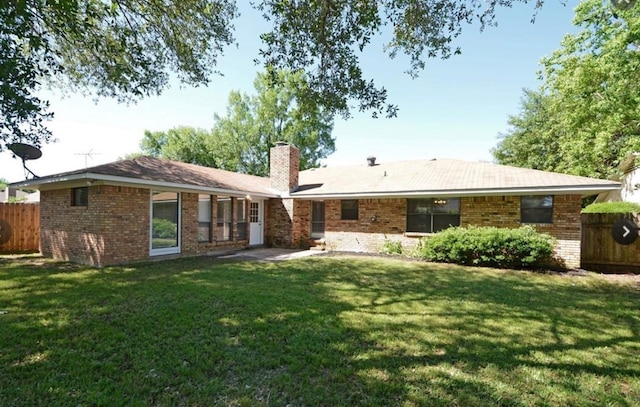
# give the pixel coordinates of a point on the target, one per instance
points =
(26, 152)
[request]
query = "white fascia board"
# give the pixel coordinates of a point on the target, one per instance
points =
(85, 179)
(565, 190)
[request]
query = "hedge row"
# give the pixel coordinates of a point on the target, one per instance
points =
(489, 246)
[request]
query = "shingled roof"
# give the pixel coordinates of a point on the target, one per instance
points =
(395, 179)
(440, 178)
(151, 171)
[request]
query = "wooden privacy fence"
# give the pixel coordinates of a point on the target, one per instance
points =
(600, 252)
(19, 227)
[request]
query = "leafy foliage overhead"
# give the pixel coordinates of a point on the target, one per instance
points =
(241, 139)
(326, 39)
(123, 49)
(127, 49)
(585, 118)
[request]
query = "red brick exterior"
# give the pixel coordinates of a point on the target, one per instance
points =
(504, 211)
(114, 227)
(284, 167)
(287, 222)
(189, 217)
(381, 220)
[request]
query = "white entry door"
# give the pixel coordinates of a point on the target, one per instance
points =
(256, 230)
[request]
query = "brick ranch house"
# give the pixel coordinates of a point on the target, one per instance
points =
(145, 208)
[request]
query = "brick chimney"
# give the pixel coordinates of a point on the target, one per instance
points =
(284, 167)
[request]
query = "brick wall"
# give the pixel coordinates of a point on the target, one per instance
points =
(301, 223)
(112, 228)
(500, 211)
(381, 220)
(189, 224)
(279, 222)
(189, 229)
(504, 211)
(284, 167)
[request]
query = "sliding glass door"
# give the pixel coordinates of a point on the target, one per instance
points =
(165, 222)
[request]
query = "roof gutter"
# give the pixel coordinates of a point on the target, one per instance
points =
(568, 190)
(94, 179)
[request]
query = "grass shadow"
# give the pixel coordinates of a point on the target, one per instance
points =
(313, 332)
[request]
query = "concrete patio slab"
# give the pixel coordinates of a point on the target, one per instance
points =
(270, 254)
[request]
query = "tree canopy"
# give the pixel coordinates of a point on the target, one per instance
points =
(240, 140)
(127, 49)
(186, 144)
(585, 117)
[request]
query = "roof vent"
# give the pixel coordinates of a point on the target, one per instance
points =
(371, 160)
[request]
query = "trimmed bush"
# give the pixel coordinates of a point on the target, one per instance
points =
(612, 207)
(490, 246)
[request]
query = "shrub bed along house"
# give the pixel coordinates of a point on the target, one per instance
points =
(490, 246)
(392, 248)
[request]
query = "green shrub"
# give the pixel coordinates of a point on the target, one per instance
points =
(612, 207)
(390, 247)
(164, 229)
(490, 246)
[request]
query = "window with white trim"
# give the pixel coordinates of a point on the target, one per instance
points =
(165, 222)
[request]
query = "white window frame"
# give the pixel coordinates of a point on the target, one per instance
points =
(165, 250)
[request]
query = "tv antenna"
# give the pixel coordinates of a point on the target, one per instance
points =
(88, 154)
(25, 152)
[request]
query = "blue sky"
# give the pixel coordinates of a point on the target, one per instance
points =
(455, 109)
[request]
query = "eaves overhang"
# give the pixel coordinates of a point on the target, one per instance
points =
(583, 190)
(90, 179)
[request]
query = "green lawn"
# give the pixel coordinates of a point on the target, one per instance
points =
(313, 332)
